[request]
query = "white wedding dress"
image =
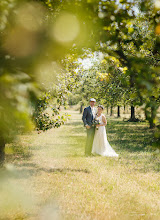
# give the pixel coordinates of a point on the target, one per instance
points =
(101, 145)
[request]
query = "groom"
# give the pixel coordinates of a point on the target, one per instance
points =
(88, 116)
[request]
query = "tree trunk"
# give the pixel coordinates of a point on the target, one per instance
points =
(153, 117)
(146, 113)
(124, 108)
(118, 111)
(111, 113)
(151, 112)
(2, 151)
(81, 108)
(132, 112)
(107, 110)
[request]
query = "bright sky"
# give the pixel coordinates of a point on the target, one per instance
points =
(88, 62)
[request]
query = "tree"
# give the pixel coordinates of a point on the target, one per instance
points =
(29, 32)
(17, 88)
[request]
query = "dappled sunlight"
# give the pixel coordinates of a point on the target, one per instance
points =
(66, 28)
(20, 42)
(30, 16)
(157, 4)
(55, 56)
(46, 74)
(15, 201)
(22, 38)
(67, 184)
(50, 211)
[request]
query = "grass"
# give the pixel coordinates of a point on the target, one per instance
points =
(55, 181)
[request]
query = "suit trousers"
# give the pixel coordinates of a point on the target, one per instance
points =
(89, 142)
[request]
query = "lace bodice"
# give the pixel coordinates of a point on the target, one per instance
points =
(100, 119)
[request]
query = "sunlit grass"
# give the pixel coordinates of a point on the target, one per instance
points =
(66, 185)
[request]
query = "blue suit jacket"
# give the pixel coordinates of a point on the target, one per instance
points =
(87, 116)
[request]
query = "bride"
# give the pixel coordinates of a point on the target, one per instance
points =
(101, 145)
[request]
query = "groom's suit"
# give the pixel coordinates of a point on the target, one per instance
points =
(88, 120)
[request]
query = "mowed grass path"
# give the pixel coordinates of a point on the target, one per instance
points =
(61, 183)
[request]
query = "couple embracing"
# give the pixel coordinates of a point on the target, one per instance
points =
(95, 121)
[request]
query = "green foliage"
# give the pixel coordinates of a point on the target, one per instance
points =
(131, 39)
(36, 33)
(28, 35)
(46, 116)
(74, 99)
(29, 32)
(128, 35)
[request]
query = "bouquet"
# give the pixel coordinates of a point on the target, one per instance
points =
(95, 122)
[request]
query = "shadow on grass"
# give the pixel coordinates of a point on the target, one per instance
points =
(75, 123)
(125, 136)
(26, 170)
(133, 141)
(132, 137)
(17, 154)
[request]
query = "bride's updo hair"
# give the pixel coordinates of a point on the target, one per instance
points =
(101, 106)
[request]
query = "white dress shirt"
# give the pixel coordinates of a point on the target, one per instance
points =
(94, 111)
